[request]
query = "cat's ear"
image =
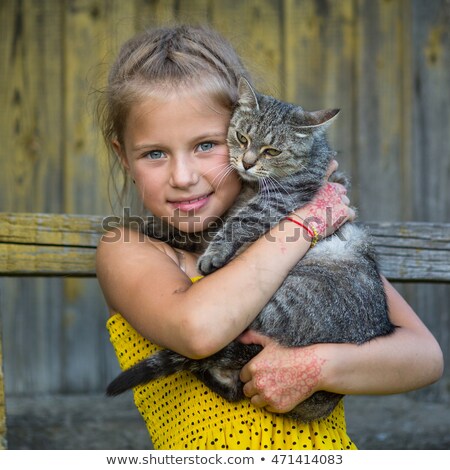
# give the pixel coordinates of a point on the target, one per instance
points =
(316, 121)
(247, 96)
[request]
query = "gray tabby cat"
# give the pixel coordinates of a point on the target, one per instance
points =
(333, 295)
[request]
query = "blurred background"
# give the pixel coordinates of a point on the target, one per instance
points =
(384, 63)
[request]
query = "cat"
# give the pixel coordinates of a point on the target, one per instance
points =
(333, 295)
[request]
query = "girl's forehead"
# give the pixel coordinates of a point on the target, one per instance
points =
(183, 102)
(175, 118)
(206, 91)
(197, 93)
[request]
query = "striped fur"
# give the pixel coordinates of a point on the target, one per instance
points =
(333, 295)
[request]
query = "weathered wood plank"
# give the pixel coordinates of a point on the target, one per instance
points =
(50, 229)
(32, 132)
(319, 62)
(85, 162)
(411, 235)
(31, 124)
(257, 37)
(381, 62)
(431, 110)
(41, 260)
(155, 13)
(430, 155)
(382, 111)
(2, 401)
(411, 251)
(94, 30)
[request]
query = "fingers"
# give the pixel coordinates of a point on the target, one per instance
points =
(339, 188)
(351, 214)
(252, 337)
(347, 215)
(258, 401)
(250, 392)
(341, 191)
(249, 389)
(245, 376)
(332, 167)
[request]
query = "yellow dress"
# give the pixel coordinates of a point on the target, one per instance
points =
(182, 413)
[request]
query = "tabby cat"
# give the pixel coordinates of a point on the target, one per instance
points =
(333, 295)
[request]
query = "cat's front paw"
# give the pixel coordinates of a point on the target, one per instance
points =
(212, 259)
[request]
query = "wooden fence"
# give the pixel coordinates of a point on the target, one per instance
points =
(385, 63)
(64, 245)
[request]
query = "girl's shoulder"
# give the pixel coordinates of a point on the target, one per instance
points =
(125, 255)
(120, 242)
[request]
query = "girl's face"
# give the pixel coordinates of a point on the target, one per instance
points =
(175, 150)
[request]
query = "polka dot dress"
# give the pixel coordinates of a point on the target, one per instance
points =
(182, 413)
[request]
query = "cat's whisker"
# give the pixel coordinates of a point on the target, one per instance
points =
(224, 165)
(275, 185)
(306, 170)
(262, 190)
(266, 183)
(228, 170)
(222, 174)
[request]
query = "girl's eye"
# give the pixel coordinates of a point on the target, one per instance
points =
(205, 146)
(242, 139)
(155, 154)
(272, 152)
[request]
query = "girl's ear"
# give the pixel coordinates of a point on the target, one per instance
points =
(121, 154)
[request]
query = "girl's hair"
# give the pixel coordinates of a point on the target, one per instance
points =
(162, 60)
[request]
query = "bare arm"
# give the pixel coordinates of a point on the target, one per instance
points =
(147, 287)
(140, 280)
(408, 359)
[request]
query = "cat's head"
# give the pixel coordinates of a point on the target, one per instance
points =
(268, 137)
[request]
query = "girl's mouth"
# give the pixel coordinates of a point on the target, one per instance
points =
(193, 204)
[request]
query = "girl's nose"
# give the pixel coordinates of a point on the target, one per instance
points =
(183, 173)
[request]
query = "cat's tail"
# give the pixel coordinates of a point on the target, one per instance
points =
(161, 364)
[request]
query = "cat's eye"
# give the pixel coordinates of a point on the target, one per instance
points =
(242, 139)
(272, 152)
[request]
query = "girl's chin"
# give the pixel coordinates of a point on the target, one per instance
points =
(192, 221)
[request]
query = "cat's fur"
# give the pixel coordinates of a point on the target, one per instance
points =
(333, 295)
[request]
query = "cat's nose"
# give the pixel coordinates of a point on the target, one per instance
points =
(247, 166)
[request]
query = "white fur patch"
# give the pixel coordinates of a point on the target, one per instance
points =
(227, 377)
(342, 245)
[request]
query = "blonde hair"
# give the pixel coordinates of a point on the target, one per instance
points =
(167, 59)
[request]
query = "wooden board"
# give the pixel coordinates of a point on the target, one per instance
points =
(384, 63)
(2, 401)
(63, 245)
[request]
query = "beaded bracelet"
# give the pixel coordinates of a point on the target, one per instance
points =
(311, 230)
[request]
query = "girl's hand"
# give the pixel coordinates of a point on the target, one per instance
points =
(329, 209)
(280, 378)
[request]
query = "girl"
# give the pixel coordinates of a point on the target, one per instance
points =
(165, 117)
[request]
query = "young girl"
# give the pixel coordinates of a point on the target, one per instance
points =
(166, 114)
